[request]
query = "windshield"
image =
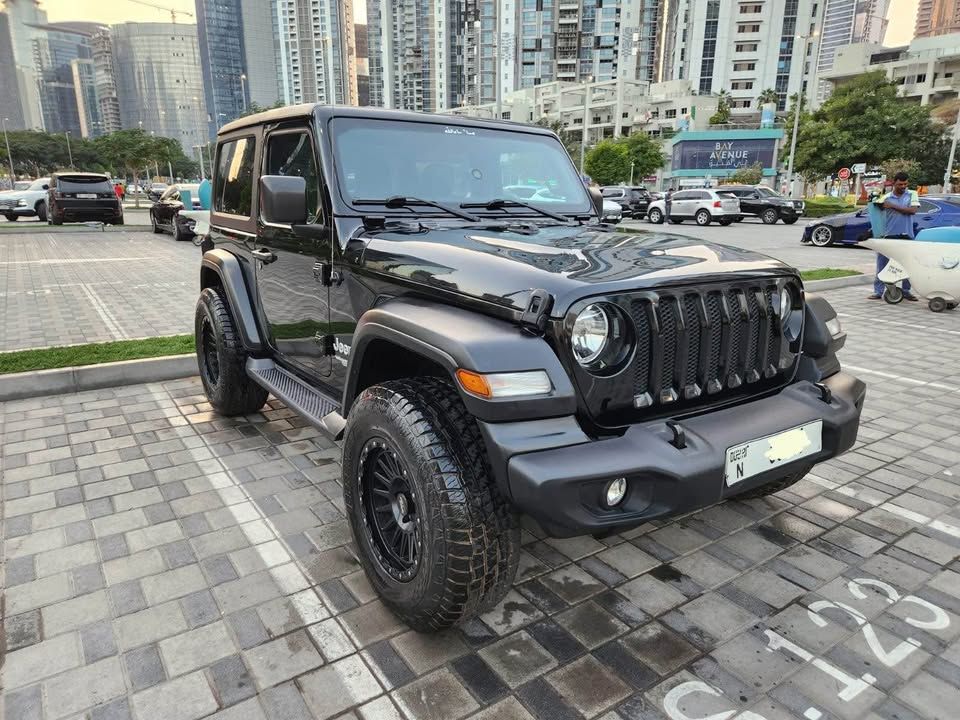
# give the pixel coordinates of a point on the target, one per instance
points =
(451, 164)
(84, 184)
(38, 184)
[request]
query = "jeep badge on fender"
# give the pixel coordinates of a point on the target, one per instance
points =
(439, 293)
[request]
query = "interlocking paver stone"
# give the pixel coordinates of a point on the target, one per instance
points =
(144, 667)
(185, 698)
(279, 660)
(438, 696)
(338, 686)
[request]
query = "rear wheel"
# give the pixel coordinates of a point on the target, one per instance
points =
(436, 538)
(725, 221)
(41, 208)
(153, 223)
(822, 235)
(937, 305)
(655, 216)
(892, 295)
(702, 217)
(11, 217)
(222, 359)
(789, 221)
(769, 216)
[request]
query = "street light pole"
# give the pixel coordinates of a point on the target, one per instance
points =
(948, 173)
(586, 113)
(199, 148)
(69, 151)
(499, 68)
(243, 90)
(796, 114)
(9, 156)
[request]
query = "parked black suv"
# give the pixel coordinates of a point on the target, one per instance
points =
(765, 203)
(633, 200)
(482, 355)
(74, 196)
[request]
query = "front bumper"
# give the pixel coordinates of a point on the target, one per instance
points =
(18, 210)
(561, 487)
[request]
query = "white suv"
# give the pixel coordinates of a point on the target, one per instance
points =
(701, 206)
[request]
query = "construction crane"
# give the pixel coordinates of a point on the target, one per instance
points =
(172, 11)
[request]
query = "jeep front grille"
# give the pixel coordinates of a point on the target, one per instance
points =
(695, 347)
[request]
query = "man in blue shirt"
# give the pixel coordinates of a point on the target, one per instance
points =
(899, 208)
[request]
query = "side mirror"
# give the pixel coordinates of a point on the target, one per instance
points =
(597, 197)
(46, 187)
(283, 200)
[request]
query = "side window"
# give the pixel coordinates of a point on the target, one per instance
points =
(928, 207)
(703, 195)
(292, 154)
(233, 192)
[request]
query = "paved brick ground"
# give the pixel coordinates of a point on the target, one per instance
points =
(61, 288)
(165, 563)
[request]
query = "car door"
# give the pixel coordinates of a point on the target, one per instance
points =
(290, 269)
(927, 216)
(680, 204)
(750, 202)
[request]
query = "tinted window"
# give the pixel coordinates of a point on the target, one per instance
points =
(702, 195)
(612, 192)
(682, 195)
(83, 184)
(291, 154)
(928, 207)
(233, 191)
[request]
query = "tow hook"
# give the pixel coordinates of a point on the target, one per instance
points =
(825, 394)
(679, 440)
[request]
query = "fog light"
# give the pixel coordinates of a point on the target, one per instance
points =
(615, 491)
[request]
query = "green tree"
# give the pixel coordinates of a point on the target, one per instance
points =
(254, 107)
(747, 175)
(894, 165)
(722, 115)
(131, 150)
(608, 162)
(865, 121)
(570, 140)
(646, 154)
(768, 96)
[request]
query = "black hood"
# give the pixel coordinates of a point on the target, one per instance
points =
(569, 262)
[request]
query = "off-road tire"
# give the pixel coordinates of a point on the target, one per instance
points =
(774, 487)
(769, 216)
(41, 208)
(703, 218)
(469, 534)
(12, 218)
(222, 359)
(153, 221)
(655, 216)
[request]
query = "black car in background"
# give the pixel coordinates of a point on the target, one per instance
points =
(765, 203)
(77, 196)
(165, 212)
(633, 200)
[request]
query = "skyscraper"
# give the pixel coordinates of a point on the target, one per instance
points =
(260, 47)
(105, 80)
(24, 16)
(937, 17)
(220, 34)
(746, 47)
(8, 77)
(363, 64)
(846, 22)
(417, 53)
(314, 47)
(56, 47)
(157, 70)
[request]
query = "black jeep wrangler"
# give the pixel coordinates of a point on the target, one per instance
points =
(483, 354)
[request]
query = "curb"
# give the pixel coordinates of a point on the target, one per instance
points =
(840, 282)
(18, 386)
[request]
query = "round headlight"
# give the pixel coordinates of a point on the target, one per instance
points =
(786, 305)
(590, 332)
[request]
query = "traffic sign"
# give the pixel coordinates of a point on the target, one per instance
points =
(844, 173)
(858, 168)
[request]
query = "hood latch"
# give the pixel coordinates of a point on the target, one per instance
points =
(534, 318)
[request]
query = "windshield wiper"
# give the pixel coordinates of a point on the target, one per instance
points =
(400, 201)
(501, 203)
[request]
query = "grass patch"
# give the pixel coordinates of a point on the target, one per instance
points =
(817, 208)
(94, 354)
(827, 273)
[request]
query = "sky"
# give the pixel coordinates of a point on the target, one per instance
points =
(902, 14)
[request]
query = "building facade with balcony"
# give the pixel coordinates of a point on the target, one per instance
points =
(927, 70)
(846, 22)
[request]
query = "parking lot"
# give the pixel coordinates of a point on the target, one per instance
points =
(163, 562)
(78, 285)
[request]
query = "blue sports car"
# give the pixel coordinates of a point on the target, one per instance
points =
(851, 228)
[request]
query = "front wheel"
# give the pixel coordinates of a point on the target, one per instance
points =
(655, 216)
(436, 539)
(789, 221)
(41, 209)
(822, 236)
(222, 359)
(702, 217)
(937, 305)
(769, 216)
(892, 295)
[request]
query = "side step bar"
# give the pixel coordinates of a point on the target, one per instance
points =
(320, 410)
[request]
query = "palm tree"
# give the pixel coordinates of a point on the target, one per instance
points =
(768, 96)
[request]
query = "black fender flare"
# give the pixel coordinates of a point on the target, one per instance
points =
(456, 338)
(227, 268)
(818, 359)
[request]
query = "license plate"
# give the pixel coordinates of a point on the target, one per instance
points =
(87, 196)
(757, 456)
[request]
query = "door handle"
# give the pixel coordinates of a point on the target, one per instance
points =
(263, 255)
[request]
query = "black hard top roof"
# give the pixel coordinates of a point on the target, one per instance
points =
(324, 112)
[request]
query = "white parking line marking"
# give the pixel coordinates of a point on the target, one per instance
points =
(901, 378)
(73, 261)
(108, 319)
(916, 326)
(921, 519)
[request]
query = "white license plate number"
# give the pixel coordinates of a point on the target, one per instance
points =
(87, 196)
(757, 456)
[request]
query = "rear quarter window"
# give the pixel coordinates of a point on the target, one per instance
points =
(233, 187)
